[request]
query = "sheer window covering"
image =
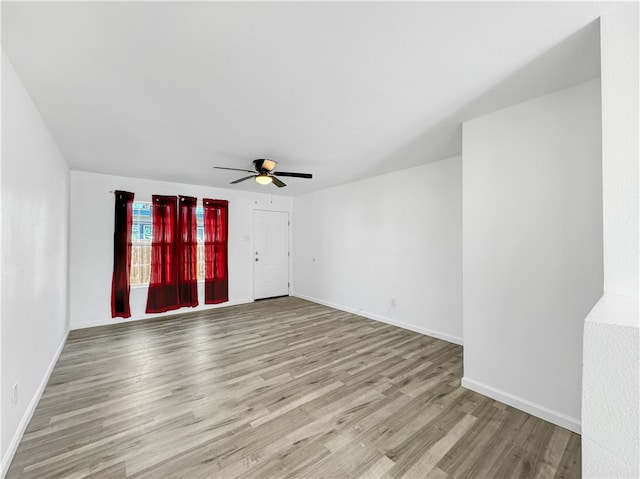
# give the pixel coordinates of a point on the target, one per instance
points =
(187, 252)
(216, 284)
(163, 284)
(120, 287)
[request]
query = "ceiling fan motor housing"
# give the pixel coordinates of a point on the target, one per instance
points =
(264, 165)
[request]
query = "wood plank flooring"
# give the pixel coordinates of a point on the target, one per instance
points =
(274, 389)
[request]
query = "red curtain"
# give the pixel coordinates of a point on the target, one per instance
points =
(120, 287)
(216, 283)
(165, 261)
(187, 252)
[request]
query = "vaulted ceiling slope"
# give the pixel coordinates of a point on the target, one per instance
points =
(166, 90)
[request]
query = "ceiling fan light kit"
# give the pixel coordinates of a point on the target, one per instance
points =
(263, 179)
(264, 173)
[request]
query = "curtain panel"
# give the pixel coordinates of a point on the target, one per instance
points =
(187, 252)
(216, 285)
(165, 261)
(120, 287)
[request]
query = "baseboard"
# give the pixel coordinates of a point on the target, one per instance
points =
(554, 417)
(383, 319)
(111, 321)
(28, 414)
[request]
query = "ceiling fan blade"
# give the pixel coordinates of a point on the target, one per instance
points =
(277, 182)
(242, 179)
(234, 169)
(295, 175)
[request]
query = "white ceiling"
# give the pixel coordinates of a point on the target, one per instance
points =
(166, 90)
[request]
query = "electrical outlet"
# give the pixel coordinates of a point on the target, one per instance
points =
(393, 302)
(14, 394)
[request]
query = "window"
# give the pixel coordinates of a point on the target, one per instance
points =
(200, 226)
(141, 236)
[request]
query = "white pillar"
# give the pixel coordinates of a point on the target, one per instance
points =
(611, 374)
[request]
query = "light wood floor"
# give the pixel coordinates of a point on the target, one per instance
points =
(278, 388)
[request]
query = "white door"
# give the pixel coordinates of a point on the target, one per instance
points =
(271, 255)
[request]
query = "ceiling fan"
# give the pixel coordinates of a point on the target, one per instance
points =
(264, 173)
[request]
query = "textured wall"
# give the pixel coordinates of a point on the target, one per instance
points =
(35, 221)
(532, 249)
(610, 402)
(388, 248)
(611, 393)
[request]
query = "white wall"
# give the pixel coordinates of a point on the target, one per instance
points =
(91, 243)
(619, 57)
(397, 237)
(35, 221)
(532, 249)
(2, 468)
(611, 377)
